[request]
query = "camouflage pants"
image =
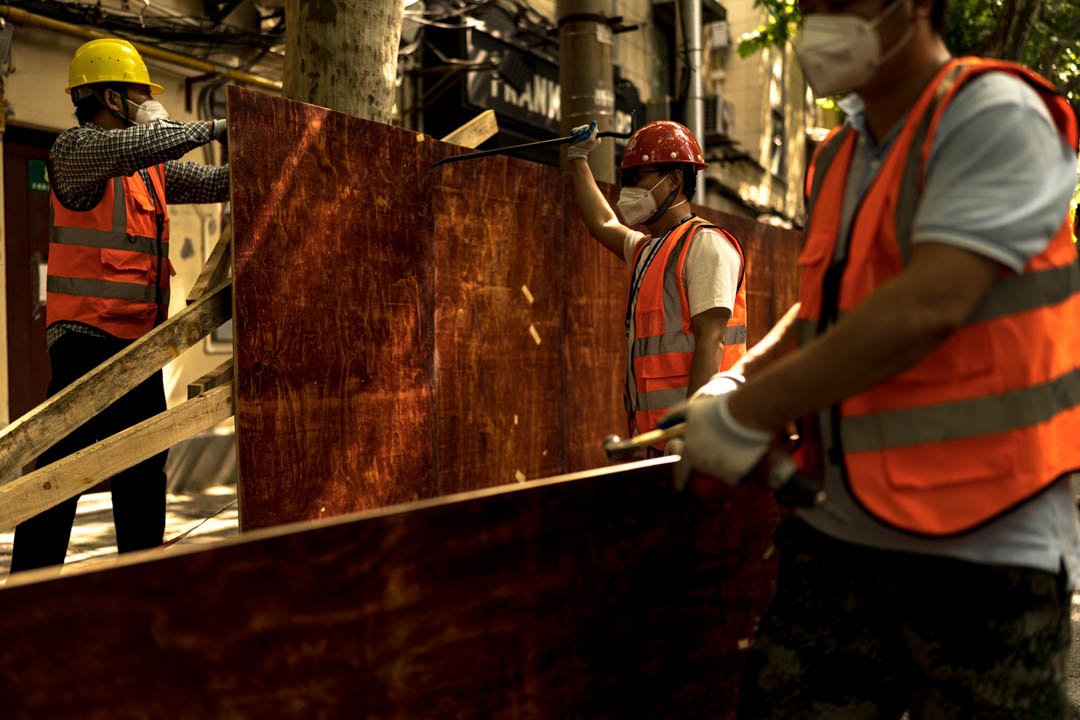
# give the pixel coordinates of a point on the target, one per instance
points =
(855, 633)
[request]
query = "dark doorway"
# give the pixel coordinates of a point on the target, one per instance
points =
(26, 223)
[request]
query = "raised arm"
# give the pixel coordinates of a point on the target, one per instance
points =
(601, 220)
(82, 159)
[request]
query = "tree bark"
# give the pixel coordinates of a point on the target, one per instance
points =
(1014, 24)
(342, 54)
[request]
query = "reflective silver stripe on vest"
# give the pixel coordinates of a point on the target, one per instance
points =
(907, 201)
(106, 289)
(108, 240)
(1008, 296)
(683, 342)
(115, 239)
(661, 344)
(660, 399)
(824, 159)
(1029, 291)
(963, 418)
(673, 319)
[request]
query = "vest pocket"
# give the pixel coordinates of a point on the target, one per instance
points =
(663, 378)
(126, 267)
(128, 304)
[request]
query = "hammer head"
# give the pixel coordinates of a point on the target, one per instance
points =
(618, 449)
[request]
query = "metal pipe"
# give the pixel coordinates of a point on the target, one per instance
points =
(27, 19)
(586, 77)
(695, 92)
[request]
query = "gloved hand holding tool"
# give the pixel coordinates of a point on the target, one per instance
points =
(717, 444)
(714, 443)
(587, 140)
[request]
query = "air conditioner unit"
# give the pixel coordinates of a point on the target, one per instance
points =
(719, 117)
(719, 35)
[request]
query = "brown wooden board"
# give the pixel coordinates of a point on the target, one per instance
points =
(595, 285)
(388, 315)
(498, 337)
(603, 595)
(333, 312)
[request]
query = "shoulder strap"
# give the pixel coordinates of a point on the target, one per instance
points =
(823, 158)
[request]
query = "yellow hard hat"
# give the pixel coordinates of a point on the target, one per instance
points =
(108, 60)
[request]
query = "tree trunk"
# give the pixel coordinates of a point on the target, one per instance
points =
(1013, 27)
(342, 54)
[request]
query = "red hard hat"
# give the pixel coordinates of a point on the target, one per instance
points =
(662, 141)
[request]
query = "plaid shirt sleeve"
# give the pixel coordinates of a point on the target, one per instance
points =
(187, 182)
(83, 158)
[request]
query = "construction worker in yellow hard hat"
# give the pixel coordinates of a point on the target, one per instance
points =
(111, 179)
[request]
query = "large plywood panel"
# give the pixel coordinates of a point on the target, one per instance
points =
(605, 595)
(499, 333)
(333, 312)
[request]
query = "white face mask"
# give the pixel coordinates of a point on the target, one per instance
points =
(149, 111)
(842, 52)
(636, 204)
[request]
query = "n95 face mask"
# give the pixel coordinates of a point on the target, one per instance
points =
(636, 205)
(150, 111)
(842, 52)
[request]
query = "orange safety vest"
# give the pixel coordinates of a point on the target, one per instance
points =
(109, 266)
(659, 308)
(991, 416)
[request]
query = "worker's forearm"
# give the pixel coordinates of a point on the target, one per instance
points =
(708, 353)
(876, 341)
(601, 220)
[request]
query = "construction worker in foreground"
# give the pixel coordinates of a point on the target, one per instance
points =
(112, 178)
(686, 311)
(937, 350)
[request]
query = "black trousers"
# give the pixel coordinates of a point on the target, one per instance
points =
(138, 493)
(864, 634)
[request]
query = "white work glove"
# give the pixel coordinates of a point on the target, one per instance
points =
(219, 130)
(588, 142)
(719, 445)
(719, 384)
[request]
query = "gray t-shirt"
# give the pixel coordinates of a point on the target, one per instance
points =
(998, 183)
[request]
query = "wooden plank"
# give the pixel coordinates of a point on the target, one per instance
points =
(25, 439)
(220, 375)
(473, 133)
(216, 268)
(600, 595)
(25, 497)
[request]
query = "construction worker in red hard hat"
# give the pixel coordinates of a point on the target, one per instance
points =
(112, 178)
(686, 310)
